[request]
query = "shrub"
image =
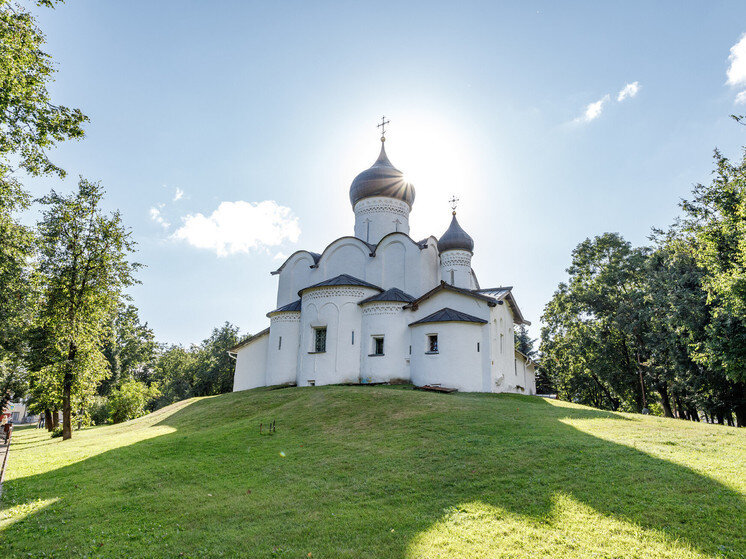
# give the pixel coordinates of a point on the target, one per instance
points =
(57, 432)
(99, 410)
(130, 400)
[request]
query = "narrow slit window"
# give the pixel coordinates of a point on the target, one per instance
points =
(477, 347)
(353, 337)
(279, 343)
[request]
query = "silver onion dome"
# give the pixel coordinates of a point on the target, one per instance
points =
(455, 238)
(382, 179)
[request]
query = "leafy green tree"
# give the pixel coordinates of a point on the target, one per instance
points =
(715, 216)
(213, 372)
(173, 371)
(130, 348)
(130, 400)
(595, 325)
(83, 270)
(30, 125)
(523, 341)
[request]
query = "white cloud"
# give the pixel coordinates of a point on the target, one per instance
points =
(155, 215)
(628, 91)
(737, 69)
(178, 194)
(593, 110)
(281, 256)
(240, 226)
(741, 98)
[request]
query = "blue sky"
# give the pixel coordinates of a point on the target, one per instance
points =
(228, 133)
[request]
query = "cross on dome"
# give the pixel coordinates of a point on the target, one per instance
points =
(454, 203)
(382, 126)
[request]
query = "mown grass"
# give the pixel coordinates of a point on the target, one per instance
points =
(378, 472)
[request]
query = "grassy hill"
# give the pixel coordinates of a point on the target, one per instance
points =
(378, 472)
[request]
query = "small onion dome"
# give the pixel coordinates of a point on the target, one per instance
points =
(382, 179)
(455, 238)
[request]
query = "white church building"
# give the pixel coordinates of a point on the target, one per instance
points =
(379, 306)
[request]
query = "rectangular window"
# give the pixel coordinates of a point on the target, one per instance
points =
(410, 350)
(353, 337)
(432, 343)
(477, 347)
(320, 341)
(279, 344)
(378, 345)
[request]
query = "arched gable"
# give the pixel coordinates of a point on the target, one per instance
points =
(295, 274)
(346, 255)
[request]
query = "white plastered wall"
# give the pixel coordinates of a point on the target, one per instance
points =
(502, 350)
(377, 216)
(455, 268)
(459, 362)
(282, 350)
(335, 308)
(251, 364)
(386, 319)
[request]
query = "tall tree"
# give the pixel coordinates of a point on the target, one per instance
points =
(213, 372)
(716, 218)
(595, 325)
(83, 270)
(30, 124)
(130, 349)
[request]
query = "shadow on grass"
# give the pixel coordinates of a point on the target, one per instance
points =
(355, 472)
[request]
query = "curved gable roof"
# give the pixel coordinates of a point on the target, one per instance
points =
(314, 255)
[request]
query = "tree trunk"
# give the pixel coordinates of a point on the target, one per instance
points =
(67, 386)
(48, 420)
(693, 415)
(729, 417)
(665, 402)
(740, 406)
(67, 426)
(55, 418)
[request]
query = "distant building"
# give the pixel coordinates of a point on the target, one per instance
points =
(379, 307)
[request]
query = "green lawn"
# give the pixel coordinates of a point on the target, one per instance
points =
(378, 472)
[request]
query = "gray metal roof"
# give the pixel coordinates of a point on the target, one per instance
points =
(290, 307)
(455, 238)
(249, 339)
(501, 294)
(443, 286)
(449, 315)
(382, 179)
(394, 294)
(342, 279)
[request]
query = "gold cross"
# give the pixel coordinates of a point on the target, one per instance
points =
(382, 126)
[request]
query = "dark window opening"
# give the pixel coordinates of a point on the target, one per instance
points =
(378, 346)
(477, 347)
(320, 342)
(353, 337)
(432, 343)
(279, 343)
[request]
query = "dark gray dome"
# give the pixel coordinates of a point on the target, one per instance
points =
(455, 238)
(382, 179)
